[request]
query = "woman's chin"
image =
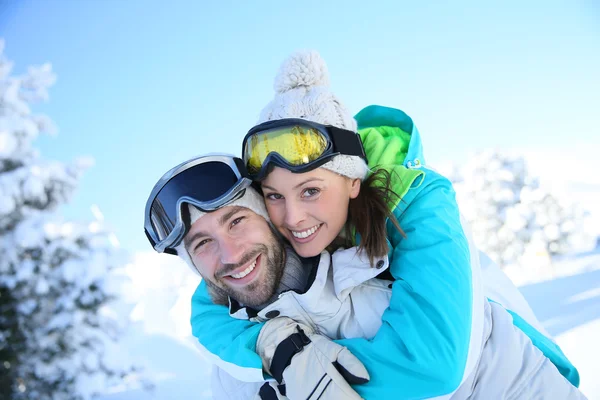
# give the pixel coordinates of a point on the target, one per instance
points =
(307, 250)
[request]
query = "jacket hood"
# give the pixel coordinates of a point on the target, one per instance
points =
(403, 144)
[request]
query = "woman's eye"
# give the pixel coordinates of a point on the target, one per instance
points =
(310, 192)
(274, 196)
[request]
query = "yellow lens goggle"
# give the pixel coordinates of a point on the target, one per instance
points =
(295, 144)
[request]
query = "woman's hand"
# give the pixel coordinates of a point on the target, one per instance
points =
(308, 365)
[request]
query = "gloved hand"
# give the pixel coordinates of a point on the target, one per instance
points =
(310, 365)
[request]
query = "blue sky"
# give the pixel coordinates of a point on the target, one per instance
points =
(143, 85)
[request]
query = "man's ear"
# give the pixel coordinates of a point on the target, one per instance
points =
(354, 188)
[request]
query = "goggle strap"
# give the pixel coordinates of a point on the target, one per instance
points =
(152, 242)
(239, 163)
(169, 250)
(347, 142)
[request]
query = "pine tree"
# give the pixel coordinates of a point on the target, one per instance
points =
(55, 275)
(9, 329)
(511, 214)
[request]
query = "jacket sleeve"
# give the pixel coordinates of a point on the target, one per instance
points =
(227, 342)
(226, 387)
(422, 346)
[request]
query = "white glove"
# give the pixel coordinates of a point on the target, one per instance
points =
(311, 366)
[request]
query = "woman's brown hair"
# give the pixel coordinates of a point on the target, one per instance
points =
(368, 212)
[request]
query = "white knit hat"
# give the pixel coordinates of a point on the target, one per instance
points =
(251, 200)
(302, 91)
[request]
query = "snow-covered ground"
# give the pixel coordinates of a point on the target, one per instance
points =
(568, 305)
(569, 308)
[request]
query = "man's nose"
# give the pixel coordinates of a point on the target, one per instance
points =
(231, 250)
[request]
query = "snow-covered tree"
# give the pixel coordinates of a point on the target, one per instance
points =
(56, 276)
(511, 214)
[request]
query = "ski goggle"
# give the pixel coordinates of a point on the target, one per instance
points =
(208, 182)
(297, 145)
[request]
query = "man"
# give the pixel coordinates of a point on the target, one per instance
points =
(206, 211)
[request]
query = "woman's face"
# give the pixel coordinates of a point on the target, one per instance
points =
(309, 209)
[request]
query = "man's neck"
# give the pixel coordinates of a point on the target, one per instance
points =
(298, 275)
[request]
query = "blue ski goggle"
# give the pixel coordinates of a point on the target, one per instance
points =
(208, 182)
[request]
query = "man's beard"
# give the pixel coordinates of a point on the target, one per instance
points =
(260, 290)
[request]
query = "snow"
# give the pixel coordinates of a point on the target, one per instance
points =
(512, 215)
(581, 346)
(160, 287)
(8, 144)
(568, 305)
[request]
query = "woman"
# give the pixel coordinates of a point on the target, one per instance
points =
(437, 329)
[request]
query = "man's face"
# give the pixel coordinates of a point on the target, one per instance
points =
(235, 250)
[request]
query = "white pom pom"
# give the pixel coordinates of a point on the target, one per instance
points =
(301, 69)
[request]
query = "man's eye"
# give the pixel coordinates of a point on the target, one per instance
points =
(236, 221)
(201, 244)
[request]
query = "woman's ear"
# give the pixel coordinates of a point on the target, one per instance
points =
(354, 188)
